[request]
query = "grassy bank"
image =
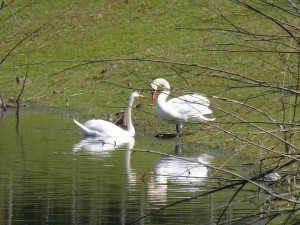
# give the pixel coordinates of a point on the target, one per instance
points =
(74, 42)
(96, 30)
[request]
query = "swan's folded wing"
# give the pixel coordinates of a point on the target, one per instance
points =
(104, 128)
(199, 118)
(191, 106)
(85, 130)
(191, 99)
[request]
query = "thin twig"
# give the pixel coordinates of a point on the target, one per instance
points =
(17, 22)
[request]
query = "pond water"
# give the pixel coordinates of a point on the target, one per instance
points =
(50, 174)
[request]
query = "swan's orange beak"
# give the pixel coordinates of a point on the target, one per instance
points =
(141, 96)
(153, 94)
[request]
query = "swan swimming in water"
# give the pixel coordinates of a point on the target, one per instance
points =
(189, 108)
(103, 128)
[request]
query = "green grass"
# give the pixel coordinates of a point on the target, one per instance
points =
(153, 30)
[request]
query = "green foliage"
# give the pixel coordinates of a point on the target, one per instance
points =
(74, 41)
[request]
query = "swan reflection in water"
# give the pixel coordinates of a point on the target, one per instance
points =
(174, 174)
(103, 146)
(179, 174)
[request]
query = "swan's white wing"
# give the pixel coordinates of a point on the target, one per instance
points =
(85, 129)
(191, 108)
(192, 99)
(105, 128)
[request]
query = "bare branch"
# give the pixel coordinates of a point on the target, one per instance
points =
(274, 20)
(17, 22)
(35, 31)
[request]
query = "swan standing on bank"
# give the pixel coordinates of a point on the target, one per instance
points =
(183, 109)
(102, 128)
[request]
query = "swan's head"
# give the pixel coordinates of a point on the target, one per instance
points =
(159, 82)
(137, 94)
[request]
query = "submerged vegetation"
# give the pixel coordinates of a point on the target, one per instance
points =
(87, 56)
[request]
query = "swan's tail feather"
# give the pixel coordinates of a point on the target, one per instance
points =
(84, 129)
(210, 119)
(206, 119)
(200, 118)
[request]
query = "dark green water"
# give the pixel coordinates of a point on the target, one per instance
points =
(50, 175)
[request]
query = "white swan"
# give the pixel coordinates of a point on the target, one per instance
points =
(102, 128)
(184, 109)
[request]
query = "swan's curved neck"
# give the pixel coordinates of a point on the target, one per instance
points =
(163, 96)
(130, 126)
